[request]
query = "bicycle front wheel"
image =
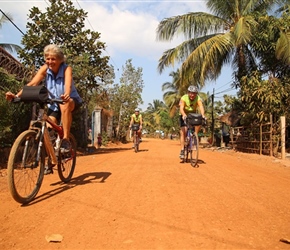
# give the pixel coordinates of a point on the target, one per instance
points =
(136, 142)
(194, 150)
(67, 161)
(25, 174)
(186, 149)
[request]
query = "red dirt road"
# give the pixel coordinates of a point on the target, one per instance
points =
(122, 200)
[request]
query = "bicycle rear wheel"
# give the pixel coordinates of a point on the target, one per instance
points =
(194, 150)
(67, 161)
(25, 175)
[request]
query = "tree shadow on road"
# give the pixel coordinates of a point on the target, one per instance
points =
(93, 151)
(87, 178)
(140, 150)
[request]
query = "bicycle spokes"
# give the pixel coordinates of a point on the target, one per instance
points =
(67, 161)
(25, 172)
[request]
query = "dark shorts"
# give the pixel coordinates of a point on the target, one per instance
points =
(77, 104)
(57, 113)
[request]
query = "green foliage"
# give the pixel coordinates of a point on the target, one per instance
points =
(283, 45)
(173, 92)
(158, 116)
(105, 139)
(264, 97)
(152, 120)
(14, 117)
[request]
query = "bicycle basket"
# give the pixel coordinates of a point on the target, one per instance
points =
(34, 94)
(194, 119)
(135, 127)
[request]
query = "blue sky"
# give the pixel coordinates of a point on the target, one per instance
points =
(129, 30)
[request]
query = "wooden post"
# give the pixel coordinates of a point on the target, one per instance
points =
(282, 119)
(261, 138)
(212, 118)
(222, 137)
(271, 135)
(232, 136)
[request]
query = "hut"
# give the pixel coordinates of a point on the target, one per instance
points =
(228, 120)
(11, 65)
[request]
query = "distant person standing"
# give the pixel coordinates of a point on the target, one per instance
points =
(99, 140)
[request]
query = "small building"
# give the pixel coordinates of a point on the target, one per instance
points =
(102, 121)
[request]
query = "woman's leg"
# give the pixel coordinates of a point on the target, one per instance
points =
(66, 116)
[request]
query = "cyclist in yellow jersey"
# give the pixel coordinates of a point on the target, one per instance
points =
(189, 104)
(136, 118)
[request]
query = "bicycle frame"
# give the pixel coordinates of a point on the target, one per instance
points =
(135, 137)
(188, 137)
(43, 118)
(136, 141)
(191, 140)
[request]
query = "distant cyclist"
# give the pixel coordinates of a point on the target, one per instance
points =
(188, 104)
(136, 118)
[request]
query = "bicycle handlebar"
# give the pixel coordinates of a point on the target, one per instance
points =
(48, 101)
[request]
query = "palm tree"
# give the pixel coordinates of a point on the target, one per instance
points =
(153, 114)
(283, 45)
(214, 40)
(8, 46)
(172, 95)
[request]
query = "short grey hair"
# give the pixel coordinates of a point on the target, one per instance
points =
(54, 50)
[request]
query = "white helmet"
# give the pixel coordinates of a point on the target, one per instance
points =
(137, 110)
(192, 89)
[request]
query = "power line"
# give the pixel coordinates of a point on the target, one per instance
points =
(226, 90)
(86, 17)
(12, 22)
(224, 85)
(46, 2)
(94, 31)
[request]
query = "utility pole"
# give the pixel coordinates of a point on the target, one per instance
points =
(212, 118)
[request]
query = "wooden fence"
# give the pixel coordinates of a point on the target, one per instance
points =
(260, 139)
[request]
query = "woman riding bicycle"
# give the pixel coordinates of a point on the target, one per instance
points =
(188, 104)
(60, 84)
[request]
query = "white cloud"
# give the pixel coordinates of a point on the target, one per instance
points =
(127, 32)
(131, 27)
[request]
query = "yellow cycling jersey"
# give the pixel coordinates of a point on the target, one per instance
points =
(136, 119)
(190, 106)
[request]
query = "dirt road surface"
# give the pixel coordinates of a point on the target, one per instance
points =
(119, 199)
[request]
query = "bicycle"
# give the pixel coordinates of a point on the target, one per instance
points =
(27, 158)
(191, 143)
(136, 139)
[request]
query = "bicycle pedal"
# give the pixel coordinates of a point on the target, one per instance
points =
(48, 170)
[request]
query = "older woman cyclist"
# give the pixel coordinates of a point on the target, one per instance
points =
(57, 76)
